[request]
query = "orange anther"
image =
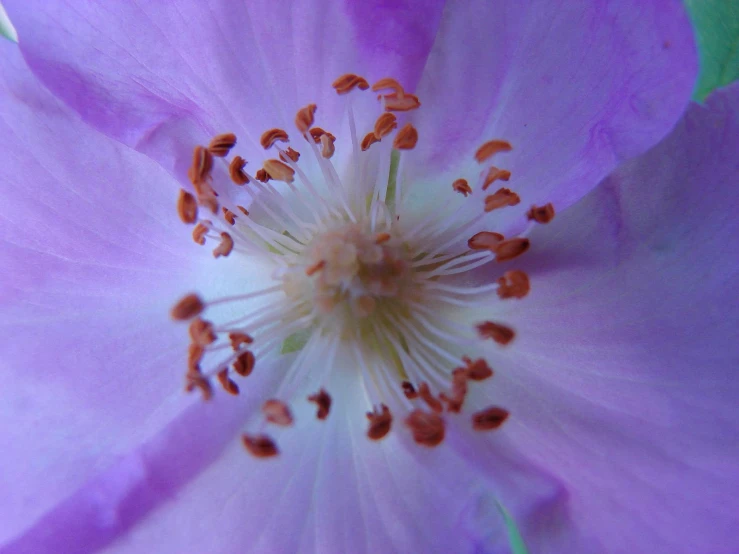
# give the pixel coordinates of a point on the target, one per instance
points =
(243, 210)
(380, 422)
(347, 82)
(228, 215)
(541, 214)
(409, 390)
(221, 144)
(279, 171)
(495, 174)
(239, 339)
(202, 164)
(227, 383)
(262, 176)
(491, 148)
(260, 446)
(199, 232)
(368, 140)
(277, 412)
(289, 154)
(406, 138)
(489, 418)
(323, 400)
(236, 171)
(427, 427)
(499, 333)
(225, 247)
(462, 186)
(425, 393)
(187, 308)
(305, 117)
(317, 133)
(388, 83)
(327, 146)
(196, 381)
(511, 248)
(513, 284)
(187, 207)
(382, 238)
(244, 364)
(268, 138)
(202, 332)
(385, 124)
(501, 198)
(318, 266)
(484, 240)
(397, 103)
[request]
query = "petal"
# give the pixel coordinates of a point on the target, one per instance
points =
(622, 380)
(158, 76)
(575, 87)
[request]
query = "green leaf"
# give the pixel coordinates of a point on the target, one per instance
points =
(6, 27)
(296, 341)
(716, 24)
(514, 535)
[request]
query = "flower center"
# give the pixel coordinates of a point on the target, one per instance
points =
(351, 266)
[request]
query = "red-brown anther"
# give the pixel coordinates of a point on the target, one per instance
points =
(202, 164)
(262, 176)
(277, 412)
(268, 138)
(221, 144)
(388, 83)
(368, 140)
(202, 332)
(484, 240)
(511, 248)
(477, 370)
(196, 381)
(409, 390)
(380, 422)
(209, 201)
(459, 391)
(187, 308)
(501, 198)
(425, 393)
(227, 383)
(305, 117)
(323, 400)
(347, 82)
(187, 207)
(260, 446)
(228, 215)
(290, 154)
(427, 427)
(513, 284)
(236, 171)
(199, 232)
(225, 247)
(279, 171)
(194, 357)
(385, 124)
(491, 148)
(312, 269)
(462, 187)
(243, 210)
(239, 339)
(489, 418)
(382, 238)
(317, 133)
(499, 333)
(397, 103)
(495, 174)
(541, 214)
(244, 364)
(327, 147)
(406, 138)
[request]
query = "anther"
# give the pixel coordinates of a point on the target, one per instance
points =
(187, 207)
(499, 333)
(277, 412)
(385, 124)
(380, 422)
(202, 164)
(228, 215)
(238, 339)
(459, 391)
(244, 364)
(388, 83)
(187, 308)
(317, 133)
(279, 171)
(227, 383)
(495, 174)
(327, 146)
(260, 446)
(262, 176)
(409, 390)
(225, 247)
(406, 138)
(501, 198)
(290, 154)
(201, 332)
(425, 393)
(243, 210)
(490, 418)
(323, 401)
(491, 148)
(236, 171)
(268, 138)
(197, 381)
(318, 266)
(477, 370)
(199, 232)
(305, 117)
(221, 144)
(209, 201)
(427, 427)
(195, 354)
(397, 103)
(513, 284)
(462, 187)
(368, 140)
(484, 240)
(382, 238)
(511, 248)
(541, 214)
(346, 83)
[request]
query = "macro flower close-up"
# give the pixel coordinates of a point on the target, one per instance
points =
(366, 277)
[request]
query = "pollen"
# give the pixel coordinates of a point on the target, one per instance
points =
(495, 331)
(221, 145)
(490, 148)
(260, 446)
(490, 418)
(428, 428)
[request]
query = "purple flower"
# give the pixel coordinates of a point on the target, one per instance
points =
(377, 278)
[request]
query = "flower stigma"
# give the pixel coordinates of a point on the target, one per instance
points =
(350, 265)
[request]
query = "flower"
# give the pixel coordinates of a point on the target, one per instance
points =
(138, 466)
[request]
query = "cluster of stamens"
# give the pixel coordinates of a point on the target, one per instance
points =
(349, 266)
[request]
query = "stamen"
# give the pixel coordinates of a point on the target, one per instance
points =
(511, 248)
(221, 144)
(459, 391)
(385, 124)
(262, 175)
(493, 175)
(327, 146)
(400, 103)
(199, 232)
(503, 197)
(485, 240)
(202, 165)
(499, 333)
(388, 83)
(279, 171)
(346, 83)
(380, 422)
(305, 117)
(409, 390)
(187, 308)
(490, 148)
(368, 140)
(513, 284)
(197, 381)
(260, 446)
(477, 370)
(425, 393)
(541, 214)
(290, 154)
(187, 207)
(243, 210)
(244, 364)
(236, 171)
(489, 418)
(427, 428)
(201, 332)
(238, 339)
(317, 133)
(323, 400)
(225, 247)
(462, 186)
(406, 138)
(277, 412)
(227, 383)
(228, 215)
(268, 138)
